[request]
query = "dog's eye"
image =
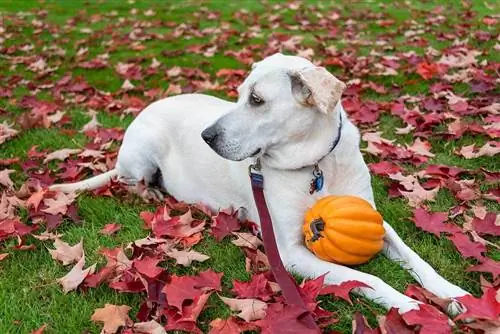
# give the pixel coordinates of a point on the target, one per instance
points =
(255, 100)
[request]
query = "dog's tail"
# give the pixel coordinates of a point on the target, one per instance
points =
(89, 184)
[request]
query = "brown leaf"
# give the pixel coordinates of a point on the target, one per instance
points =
(149, 327)
(421, 147)
(59, 204)
(185, 258)
(60, 154)
(113, 317)
(246, 240)
(6, 132)
(76, 276)
(47, 236)
(39, 330)
(248, 309)
(109, 229)
(5, 179)
(488, 149)
(65, 253)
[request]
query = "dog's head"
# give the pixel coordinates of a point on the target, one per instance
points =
(283, 102)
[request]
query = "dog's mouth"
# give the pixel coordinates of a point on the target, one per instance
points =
(257, 151)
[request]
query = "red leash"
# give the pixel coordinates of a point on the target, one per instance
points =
(283, 278)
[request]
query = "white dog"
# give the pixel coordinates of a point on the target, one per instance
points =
(288, 114)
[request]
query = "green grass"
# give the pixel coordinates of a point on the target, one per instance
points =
(29, 294)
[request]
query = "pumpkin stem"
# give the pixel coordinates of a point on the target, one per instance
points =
(317, 226)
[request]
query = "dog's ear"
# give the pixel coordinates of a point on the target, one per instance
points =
(317, 87)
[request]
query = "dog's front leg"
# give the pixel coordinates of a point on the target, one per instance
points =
(300, 260)
(396, 250)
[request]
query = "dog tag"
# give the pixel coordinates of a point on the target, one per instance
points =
(317, 181)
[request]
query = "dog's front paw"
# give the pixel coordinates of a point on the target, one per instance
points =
(409, 305)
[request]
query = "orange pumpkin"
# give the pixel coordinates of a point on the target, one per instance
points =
(343, 229)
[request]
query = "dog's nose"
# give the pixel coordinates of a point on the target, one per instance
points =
(209, 135)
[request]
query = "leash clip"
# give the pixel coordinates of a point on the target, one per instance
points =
(256, 167)
(256, 177)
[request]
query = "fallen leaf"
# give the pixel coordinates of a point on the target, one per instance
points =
(393, 323)
(6, 132)
(257, 287)
(76, 276)
(109, 229)
(224, 224)
(490, 224)
(149, 327)
(431, 321)
(360, 325)
(148, 266)
(113, 317)
(226, 326)
(466, 247)
(248, 309)
(487, 266)
(433, 222)
(181, 288)
(40, 330)
(284, 320)
(486, 307)
(488, 149)
(59, 204)
(5, 178)
(421, 147)
(185, 258)
(35, 199)
(342, 290)
(65, 253)
(60, 154)
(246, 240)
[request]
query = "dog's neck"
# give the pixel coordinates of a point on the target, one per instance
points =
(311, 149)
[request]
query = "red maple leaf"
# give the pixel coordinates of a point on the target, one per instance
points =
(360, 325)
(425, 296)
(176, 227)
(487, 266)
(224, 224)
(181, 288)
(342, 290)
(433, 222)
(486, 225)
(466, 247)
(230, 326)
(384, 168)
(258, 287)
(175, 322)
(310, 289)
(191, 311)
(283, 319)
(393, 323)
(428, 70)
(430, 320)
(486, 307)
(148, 266)
(109, 229)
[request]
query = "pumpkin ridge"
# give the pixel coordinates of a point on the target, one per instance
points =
(369, 216)
(340, 255)
(358, 229)
(352, 245)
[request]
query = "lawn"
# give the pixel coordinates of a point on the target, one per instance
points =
(111, 58)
